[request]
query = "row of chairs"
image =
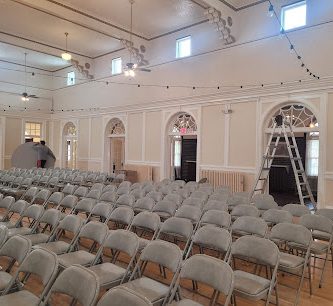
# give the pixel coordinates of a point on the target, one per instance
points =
(56, 177)
(296, 236)
(244, 223)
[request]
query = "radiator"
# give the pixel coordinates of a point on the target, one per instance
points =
(143, 172)
(234, 180)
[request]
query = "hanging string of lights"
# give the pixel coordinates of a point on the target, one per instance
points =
(272, 13)
(107, 80)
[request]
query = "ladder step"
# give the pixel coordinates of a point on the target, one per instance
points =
(262, 179)
(266, 169)
(277, 156)
(306, 197)
(302, 184)
(258, 189)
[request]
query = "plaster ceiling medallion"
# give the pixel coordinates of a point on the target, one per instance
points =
(222, 26)
(80, 69)
(130, 68)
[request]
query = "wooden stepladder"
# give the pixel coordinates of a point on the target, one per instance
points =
(282, 128)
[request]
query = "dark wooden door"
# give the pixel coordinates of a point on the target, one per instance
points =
(281, 176)
(189, 159)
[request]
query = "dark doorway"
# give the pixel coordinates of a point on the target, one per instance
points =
(282, 184)
(189, 159)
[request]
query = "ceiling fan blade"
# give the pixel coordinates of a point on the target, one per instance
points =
(143, 69)
(33, 96)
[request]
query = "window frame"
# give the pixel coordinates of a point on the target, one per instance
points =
(71, 80)
(312, 172)
(285, 8)
(113, 65)
(179, 41)
(31, 135)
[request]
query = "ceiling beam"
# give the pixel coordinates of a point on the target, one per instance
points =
(222, 6)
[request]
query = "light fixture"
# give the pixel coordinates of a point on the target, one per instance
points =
(25, 99)
(270, 11)
(312, 125)
(66, 56)
(292, 49)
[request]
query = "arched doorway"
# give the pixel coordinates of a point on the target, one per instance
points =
(182, 147)
(306, 129)
(70, 145)
(115, 145)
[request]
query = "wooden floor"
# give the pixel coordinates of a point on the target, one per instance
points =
(320, 297)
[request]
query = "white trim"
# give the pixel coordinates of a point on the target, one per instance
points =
(329, 175)
(143, 142)
(321, 193)
(143, 163)
(250, 170)
(97, 160)
(226, 137)
(89, 137)
(3, 141)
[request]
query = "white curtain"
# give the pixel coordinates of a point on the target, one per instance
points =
(312, 157)
(177, 157)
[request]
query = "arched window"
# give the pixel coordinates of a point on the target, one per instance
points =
(116, 127)
(114, 149)
(183, 124)
(299, 115)
(70, 145)
(70, 129)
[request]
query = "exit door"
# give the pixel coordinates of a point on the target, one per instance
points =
(189, 159)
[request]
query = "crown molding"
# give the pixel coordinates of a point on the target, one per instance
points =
(224, 97)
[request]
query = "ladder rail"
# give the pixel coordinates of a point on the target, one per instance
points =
(284, 128)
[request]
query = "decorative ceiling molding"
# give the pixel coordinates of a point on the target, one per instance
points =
(39, 43)
(222, 26)
(236, 9)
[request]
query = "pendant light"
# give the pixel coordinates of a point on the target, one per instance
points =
(66, 56)
(130, 67)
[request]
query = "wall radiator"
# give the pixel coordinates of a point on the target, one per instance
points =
(143, 172)
(234, 180)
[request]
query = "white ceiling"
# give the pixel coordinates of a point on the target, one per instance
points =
(95, 27)
(241, 4)
(151, 18)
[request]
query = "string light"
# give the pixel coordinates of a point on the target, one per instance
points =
(271, 12)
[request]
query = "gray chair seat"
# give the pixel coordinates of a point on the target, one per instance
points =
(318, 247)
(250, 284)
(142, 243)
(108, 273)
(290, 261)
(37, 238)
(81, 257)
(185, 303)
(149, 288)
(19, 298)
(19, 231)
(5, 278)
(321, 235)
(8, 224)
(162, 214)
(58, 247)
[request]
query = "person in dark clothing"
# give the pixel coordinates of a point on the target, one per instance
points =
(42, 153)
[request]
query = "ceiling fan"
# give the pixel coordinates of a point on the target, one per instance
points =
(25, 96)
(130, 68)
